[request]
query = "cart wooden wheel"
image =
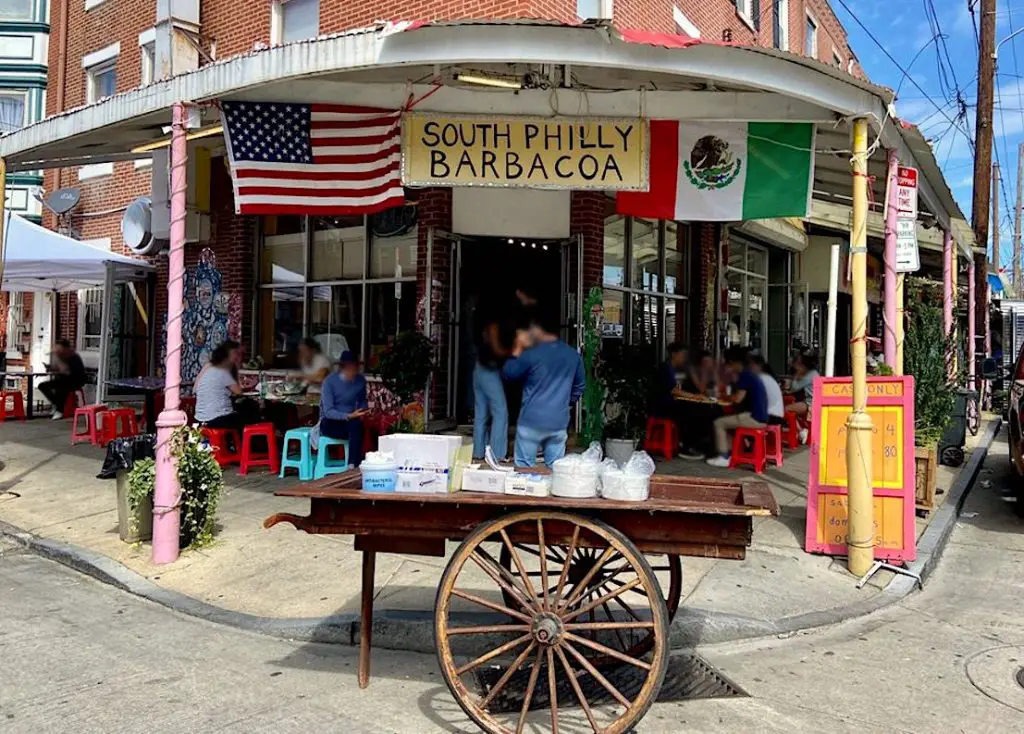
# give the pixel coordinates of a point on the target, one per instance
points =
(630, 605)
(547, 642)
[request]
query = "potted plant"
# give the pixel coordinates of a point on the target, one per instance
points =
(404, 368)
(627, 373)
(201, 481)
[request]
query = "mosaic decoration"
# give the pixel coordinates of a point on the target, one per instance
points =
(114, 364)
(207, 317)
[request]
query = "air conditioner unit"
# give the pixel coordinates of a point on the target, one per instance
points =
(197, 196)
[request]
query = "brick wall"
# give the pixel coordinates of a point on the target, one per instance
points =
(434, 211)
(587, 215)
(705, 241)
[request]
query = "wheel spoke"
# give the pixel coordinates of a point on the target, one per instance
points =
(529, 688)
(552, 552)
(501, 650)
(492, 570)
(598, 677)
(491, 605)
(607, 651)
(578, 626)
(508, 674)
(629, 609)
(552, 692)
(518, 563)
(543, 562)
(590, 575)
(623, 583)
(572, 614)
(565, 567)
(618, 633)
(489, 629)
(576, 687)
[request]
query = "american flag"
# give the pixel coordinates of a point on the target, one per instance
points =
(289, 158)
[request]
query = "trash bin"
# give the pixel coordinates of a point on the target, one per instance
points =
(122, 453)
(951, 444)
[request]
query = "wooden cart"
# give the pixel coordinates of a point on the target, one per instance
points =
(576, 589)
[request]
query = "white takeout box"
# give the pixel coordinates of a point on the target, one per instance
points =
(478, 478)
(421, 449)
(422, 481)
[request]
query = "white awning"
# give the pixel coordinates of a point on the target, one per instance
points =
(40, 260)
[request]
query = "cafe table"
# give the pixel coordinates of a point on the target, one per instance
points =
(30, 392)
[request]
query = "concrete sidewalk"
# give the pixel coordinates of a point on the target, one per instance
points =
(289, 583)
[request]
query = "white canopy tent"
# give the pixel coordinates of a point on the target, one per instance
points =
(39, 260)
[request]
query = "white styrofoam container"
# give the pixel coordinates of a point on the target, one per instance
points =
(420, 449)
(626, 488)
(477, 478)
(530, 485)
(422, 481)
(578, 485)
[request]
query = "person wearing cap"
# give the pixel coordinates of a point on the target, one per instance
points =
(343, 406)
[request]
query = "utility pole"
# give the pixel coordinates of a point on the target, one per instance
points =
(995, 216)
(1016, 219)
(983, 155)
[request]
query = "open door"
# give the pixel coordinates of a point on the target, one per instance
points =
(789, 325)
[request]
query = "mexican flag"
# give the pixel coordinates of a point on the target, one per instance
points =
(725, 172)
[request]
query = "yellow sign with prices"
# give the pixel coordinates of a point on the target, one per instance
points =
(554, 153)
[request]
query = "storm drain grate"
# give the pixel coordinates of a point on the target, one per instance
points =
(688, 677)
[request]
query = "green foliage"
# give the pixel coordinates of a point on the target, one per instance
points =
(592, 403)
(402, 426)
(405, 366)
(924, 358)
(627, 374)
(141, 481)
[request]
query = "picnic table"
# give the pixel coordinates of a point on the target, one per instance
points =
(571, 587)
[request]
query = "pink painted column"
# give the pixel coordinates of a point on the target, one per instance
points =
(166, 515)
(947, 293)
(971, 326)
(889, 300)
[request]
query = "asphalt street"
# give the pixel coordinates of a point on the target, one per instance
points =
(78, 656)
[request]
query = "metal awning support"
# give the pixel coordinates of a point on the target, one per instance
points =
(105, 314)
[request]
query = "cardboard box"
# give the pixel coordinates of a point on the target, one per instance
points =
(421, 449)
(479, 478)
(426, 481)
(530, 484)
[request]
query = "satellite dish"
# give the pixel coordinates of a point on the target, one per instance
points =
(137, 227)
(62, 201)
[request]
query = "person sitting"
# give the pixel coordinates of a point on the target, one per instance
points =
(702, 373)
(801, 387)
(773, 393)
(343, 405)
(315, 367)
(750, 401)
(214, 389)
(664, 403)
(70, 376)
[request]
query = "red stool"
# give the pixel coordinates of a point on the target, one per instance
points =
(219, 440)
(270, 458)
(91, 434)
(17, 405)
(73, 401)
(661, 436)
(791, 434)
(117, 423)
(755, 456)
(773, 444)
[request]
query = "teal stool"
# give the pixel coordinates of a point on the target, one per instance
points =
(305, 461)
(324, 463)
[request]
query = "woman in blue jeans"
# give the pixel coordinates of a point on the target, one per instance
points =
(489, 405)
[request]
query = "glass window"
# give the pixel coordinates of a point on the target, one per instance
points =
(811, 38)
(615, 250)
(299, 19)
(757, 260)
(338, 248)
(388, 253)
(148, 51)
(676, 321)
(336, 318)
(15, 9)
(646, 319)
(283, 257)
(677, 256)
(755, 314)
(102, 81)
(735, 335)
(614, 314)
(12, 111)
(90, 315)
(390, 309)
(645, 254)
(280, 316)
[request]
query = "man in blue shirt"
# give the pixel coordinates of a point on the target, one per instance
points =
(553, 379)
(750, 401)
(343, 405)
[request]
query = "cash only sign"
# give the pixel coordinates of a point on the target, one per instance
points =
(553, 153)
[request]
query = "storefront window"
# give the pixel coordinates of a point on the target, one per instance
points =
(393, 257)
(281, 312)
(646, 319)
(615, 250)
(338, 248)
(390, 309)
(283, 259)
(335, 318)
(676, 260)
(644, 255)
(614, 315)
(747, 280)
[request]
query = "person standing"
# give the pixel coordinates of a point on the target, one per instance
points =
(70, 376)
(490, 409)
(343, 405)
(749, 400)
(553, 379)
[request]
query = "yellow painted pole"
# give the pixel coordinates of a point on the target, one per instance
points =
(860, 529)
(898, 367)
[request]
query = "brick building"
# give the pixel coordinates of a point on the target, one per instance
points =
(356, 281)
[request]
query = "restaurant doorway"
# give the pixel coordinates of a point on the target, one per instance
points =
(490, 270)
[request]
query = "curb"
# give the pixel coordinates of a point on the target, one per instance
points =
(413, 631)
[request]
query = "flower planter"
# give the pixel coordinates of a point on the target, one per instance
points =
(619, 449)
(132, 527)
(925, 465)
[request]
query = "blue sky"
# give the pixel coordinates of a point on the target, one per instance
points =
(903, 27)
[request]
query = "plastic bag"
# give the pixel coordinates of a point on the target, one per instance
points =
(594, 453)
(377, 459)
(122, 453)
(639, 464)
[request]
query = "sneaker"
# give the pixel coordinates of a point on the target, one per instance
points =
(691, 454)
(803, 435)
(56, 416)
(720, 461)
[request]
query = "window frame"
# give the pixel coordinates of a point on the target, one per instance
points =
(364, 281)
(15, 318)
(811, 22)
(837, 59)
(88, 298)
(23, 94)
(147, 57)
(746, 274)
(605, 10)
(745, 12)
(277, 22)
(782, 8)
(28, 17)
